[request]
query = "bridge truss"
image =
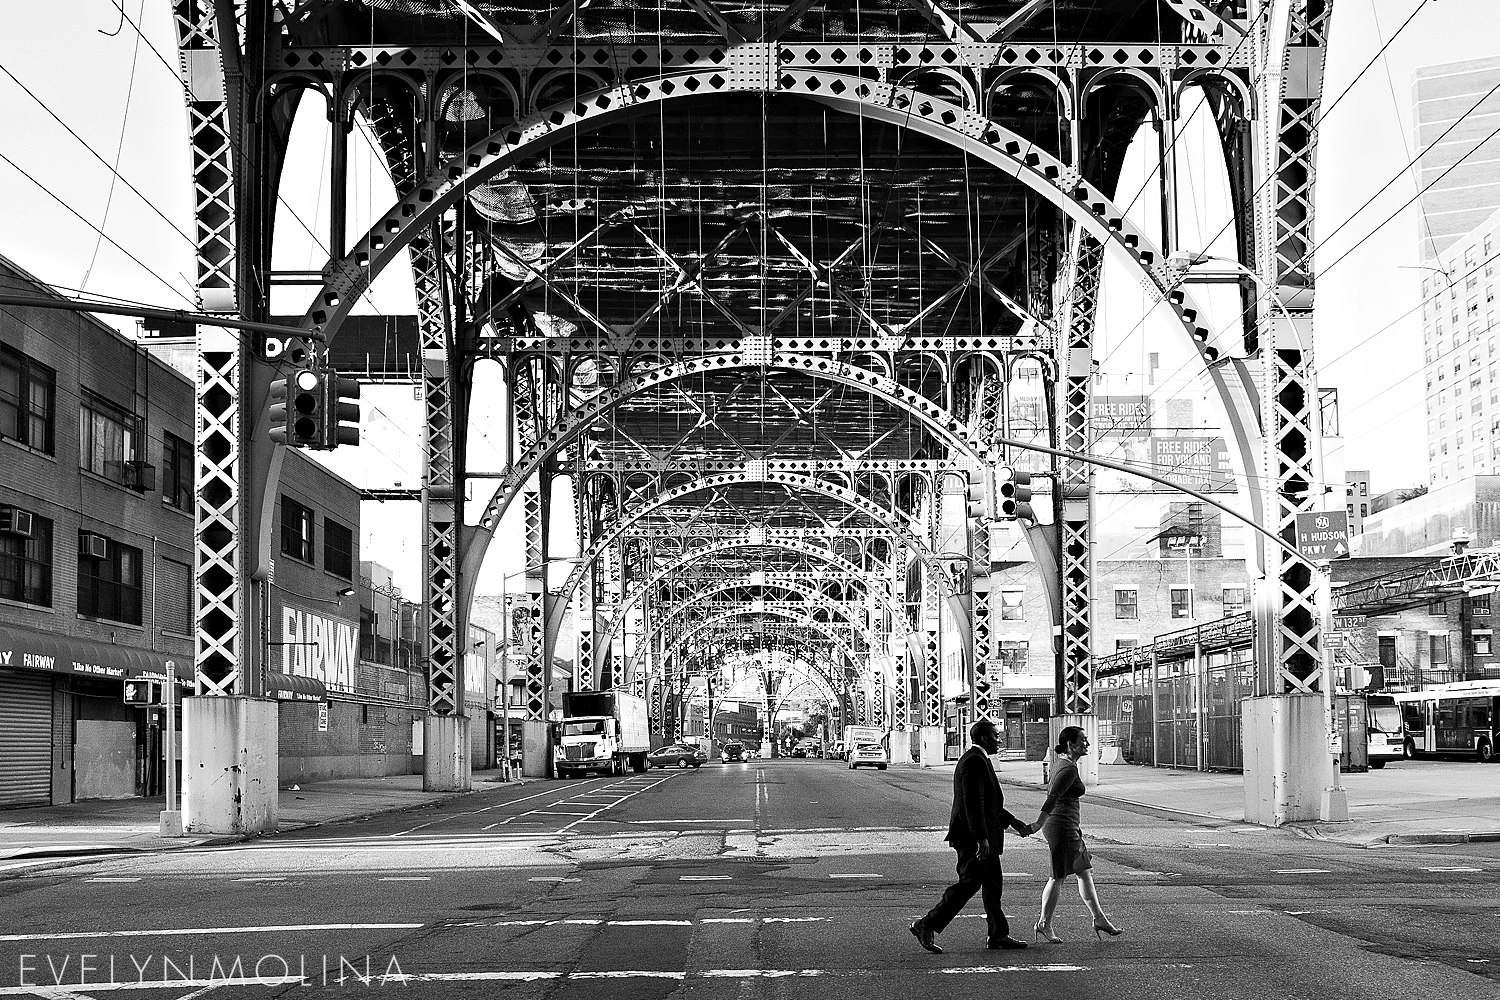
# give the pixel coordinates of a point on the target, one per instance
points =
(763, 279)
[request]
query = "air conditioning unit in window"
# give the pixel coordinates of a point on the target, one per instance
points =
(140, 476)
(15, 522)
(93, 546)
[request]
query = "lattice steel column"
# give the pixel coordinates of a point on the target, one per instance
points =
(1075, 493)
(583, 608)
(211, 137)
(901, 708)
(538, 672)
(932, 611)
(220, 597)
(1294, 39)
(440, 518)
(218, 551)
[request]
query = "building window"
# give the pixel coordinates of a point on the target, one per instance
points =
(1126, 642)
(1439, 608)
(1438, 645)
(1125, 605)
(1013, 655)
(1479, 604)
(338, 549)
(296, 530)
(1482, 644)
(1234, 600)
(106, 438)
(174, 597)
(28, 399)
(1182, 602)
(26, 562)
(1364, 510)
(1011, 609)
(176, 471)
(109, 579)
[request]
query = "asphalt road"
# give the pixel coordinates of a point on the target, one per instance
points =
(763, 879)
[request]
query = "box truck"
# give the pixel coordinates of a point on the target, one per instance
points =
(604, 731)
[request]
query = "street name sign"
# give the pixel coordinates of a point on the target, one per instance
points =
(1323, 535)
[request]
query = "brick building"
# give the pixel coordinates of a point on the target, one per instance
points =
(96, 533)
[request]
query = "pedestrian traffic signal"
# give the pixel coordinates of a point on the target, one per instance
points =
(342, 410)
(141, 693)
(1015, 494)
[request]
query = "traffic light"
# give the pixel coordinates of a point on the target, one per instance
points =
(296, 413)
(141, 693)
(1015, 494)
(980, 495)
(341, 407)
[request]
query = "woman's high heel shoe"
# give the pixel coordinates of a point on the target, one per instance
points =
(1102, 927)
(1044, 931)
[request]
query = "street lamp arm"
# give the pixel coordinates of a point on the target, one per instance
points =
(1131, 470)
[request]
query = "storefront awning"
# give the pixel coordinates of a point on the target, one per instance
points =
(31, 649)
(295, 687)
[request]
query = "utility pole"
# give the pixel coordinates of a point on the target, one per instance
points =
(169, 823)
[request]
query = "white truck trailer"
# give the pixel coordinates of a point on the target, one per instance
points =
(604, 731)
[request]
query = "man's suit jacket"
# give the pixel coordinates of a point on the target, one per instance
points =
(979, 811)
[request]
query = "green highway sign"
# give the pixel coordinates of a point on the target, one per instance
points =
(1323, 535)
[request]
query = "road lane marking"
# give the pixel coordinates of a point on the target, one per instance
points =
(113, 878)
(794, 920)
(406, 878)
(260, 878)
(475, 812)
(650, 923)
(192, 931)
(1455, 868)
(1300, 871)
(552, 878)
(854, 875)
(705, 878)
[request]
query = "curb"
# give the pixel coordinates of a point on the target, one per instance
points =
(1148, 807)
(1439, 838)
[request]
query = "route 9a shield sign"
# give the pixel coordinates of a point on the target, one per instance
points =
(1323, 535)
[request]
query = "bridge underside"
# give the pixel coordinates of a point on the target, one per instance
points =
(780, 288)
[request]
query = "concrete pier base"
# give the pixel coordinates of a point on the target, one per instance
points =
(229, 765)
(536, 749)
(1088, 765)
(445, 754)
(1287, 760)
(900, 741)
(930, 749)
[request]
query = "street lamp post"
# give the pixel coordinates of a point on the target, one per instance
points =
(505, 632)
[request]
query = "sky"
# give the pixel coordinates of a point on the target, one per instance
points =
(126, 104)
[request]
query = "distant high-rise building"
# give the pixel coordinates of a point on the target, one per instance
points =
(1457, 199)
(1461, 351)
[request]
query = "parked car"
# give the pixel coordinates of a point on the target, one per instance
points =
(677, 755)
(734, 751)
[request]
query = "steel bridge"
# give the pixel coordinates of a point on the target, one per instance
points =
(761, 279)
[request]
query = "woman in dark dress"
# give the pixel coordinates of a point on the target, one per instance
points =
(1059, 824)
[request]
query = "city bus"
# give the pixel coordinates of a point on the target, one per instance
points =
(1451, 718)
(1385, 736)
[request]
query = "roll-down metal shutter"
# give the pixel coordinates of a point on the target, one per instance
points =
(25, 739)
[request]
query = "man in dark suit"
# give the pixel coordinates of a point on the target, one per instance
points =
(976, 829)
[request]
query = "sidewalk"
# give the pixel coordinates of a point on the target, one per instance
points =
(129, 825)
(1409, 802)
